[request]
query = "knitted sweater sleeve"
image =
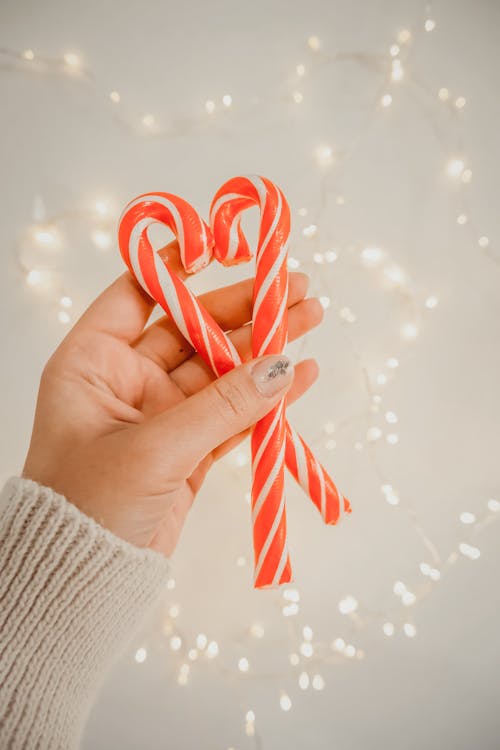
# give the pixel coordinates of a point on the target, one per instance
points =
(71, 595)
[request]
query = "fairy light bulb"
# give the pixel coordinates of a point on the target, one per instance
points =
(29, 55)
(388, 629)
(461, 219)
(392, 438)
(467, 518)
(467, 550)
(63, 317)
(347, 315)
(192, 654)
(297, 97)
(310, 230)
(141, 655)
(294, 659)
(338, 644)
(318, 682)
(350, 651)
(101, 207)
(101, 239)
(291, 595)
(399, 588)
(394, 50)
(431, 302)
(243, 664)
(35, 277)
(408, 598)
(347, 605)
(324, 155)
(404, 36)
(173, 610)
(371, 256)
(149, 121)
(409, 331)
(66, 301)
(392, 363)
(483, 241)
(285, 702)
(257, 630)
(325, 302)
(293, 263)
(306, 649)
(466, 176)
(386, 100)
(493, 505)
(397, 72)
(429, 24)
(460, 102)
(175, 642)
(373, 434)
(290, 609)
(443, 94)
(300, 69)
(115, 97)
(307, 633)
(304, 681)
(241, 561)
(201, 641)
(455, 167)
(72, 60)
(395, 275)
(227, 100)
(314, 43)
(391, 417)
(409, 630)
(212, 649)
(210, 106)
(45, 237)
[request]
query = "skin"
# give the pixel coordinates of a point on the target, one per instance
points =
(129, 419)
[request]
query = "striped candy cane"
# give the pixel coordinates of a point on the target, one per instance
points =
(269, 336)
(198, 326)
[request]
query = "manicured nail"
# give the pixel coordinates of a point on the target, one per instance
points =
(272, 374)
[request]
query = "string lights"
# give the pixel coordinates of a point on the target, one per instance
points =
(307, 656)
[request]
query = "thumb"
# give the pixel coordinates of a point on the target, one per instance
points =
(226, 407)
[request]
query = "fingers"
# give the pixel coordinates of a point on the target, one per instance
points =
(192, 429)
(194, 374)
(230, 306)
(124, 308)
(306, 374)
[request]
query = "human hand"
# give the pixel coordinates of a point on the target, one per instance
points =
(129, 419)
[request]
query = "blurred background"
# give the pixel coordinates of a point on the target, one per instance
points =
(379, 120)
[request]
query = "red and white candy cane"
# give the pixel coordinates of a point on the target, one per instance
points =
(269, 336)
(201, 330)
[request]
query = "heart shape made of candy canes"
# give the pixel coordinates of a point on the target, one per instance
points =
(274, 442)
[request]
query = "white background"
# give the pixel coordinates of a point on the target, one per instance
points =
(63, 141)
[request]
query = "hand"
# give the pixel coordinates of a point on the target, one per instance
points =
(129, 419)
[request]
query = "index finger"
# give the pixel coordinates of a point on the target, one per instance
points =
(123, 308)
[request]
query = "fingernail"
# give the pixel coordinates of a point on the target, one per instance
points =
(272, 374)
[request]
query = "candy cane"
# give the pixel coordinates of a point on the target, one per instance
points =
(269, 336)
(203, 332)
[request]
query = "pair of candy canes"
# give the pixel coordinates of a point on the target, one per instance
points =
(274, 442)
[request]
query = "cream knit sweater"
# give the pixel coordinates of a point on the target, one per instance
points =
(71, 595)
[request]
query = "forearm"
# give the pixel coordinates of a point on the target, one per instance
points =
(71, 594)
